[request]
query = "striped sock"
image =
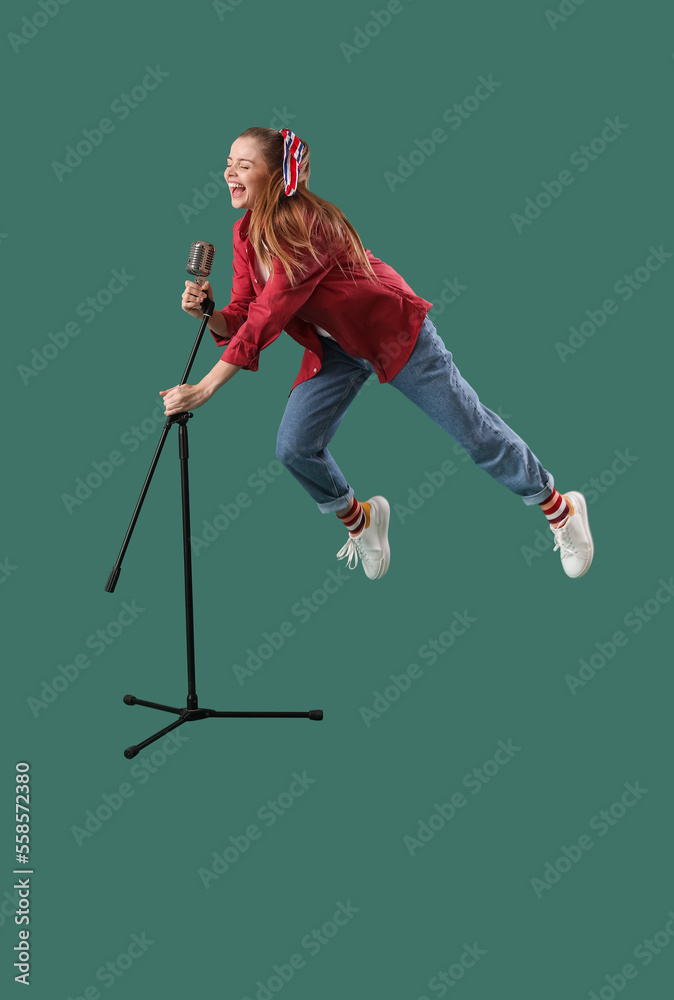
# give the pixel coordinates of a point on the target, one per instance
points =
(356, 517)
(557, 508)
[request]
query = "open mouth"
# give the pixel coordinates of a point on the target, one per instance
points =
(237, 190)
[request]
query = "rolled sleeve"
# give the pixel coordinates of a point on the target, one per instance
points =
(242, 353)
(272, 309)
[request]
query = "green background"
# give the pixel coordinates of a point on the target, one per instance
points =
(470, 548)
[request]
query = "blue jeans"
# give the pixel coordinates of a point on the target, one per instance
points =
(431, 380)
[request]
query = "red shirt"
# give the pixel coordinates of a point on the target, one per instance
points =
(378, 322)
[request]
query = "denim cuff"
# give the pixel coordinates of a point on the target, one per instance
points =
(330, 506)
(542, 495)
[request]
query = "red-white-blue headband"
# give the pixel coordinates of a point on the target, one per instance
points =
(292, 155)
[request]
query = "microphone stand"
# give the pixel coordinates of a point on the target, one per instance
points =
(191, 711)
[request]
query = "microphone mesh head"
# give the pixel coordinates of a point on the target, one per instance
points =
(200, 259)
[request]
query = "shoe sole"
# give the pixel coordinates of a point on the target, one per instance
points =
(382, 516)
(580, 506)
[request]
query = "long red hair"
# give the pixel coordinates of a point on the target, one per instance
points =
(293, 225)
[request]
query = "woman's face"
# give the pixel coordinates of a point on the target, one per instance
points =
(245, 169)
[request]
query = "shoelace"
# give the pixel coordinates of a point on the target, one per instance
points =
(350, 551)
(564, 541)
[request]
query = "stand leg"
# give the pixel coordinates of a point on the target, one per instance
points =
(132, 751)
(316, 715)
(130, 699)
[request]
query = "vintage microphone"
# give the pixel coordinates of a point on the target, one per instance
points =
(199, 265)
(200, 261)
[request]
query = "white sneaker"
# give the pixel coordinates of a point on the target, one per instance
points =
(574, 540)
(371, 544)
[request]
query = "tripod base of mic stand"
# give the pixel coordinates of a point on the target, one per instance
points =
(196, 714)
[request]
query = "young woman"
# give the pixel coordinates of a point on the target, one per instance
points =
(299, 266)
